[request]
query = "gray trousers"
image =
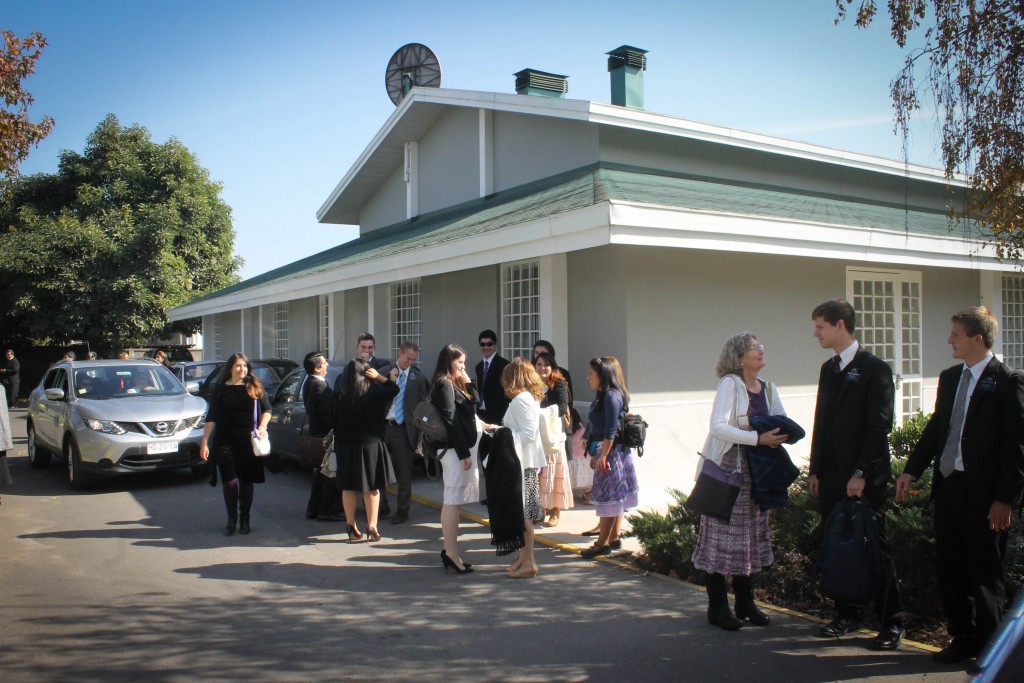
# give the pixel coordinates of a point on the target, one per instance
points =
(402, 455)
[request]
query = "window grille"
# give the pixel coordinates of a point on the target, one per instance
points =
(216, 338)
(1012, 324)
(281, 330)
(405, 314)
(520, 308)
(324, 341)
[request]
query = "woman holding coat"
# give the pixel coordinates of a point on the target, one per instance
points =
(742, 546)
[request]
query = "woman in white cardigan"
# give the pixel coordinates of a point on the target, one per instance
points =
(742, 546)
(524, 386)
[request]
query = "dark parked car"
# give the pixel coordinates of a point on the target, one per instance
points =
(175, 354)
(269, 371)
(288, 420)
(195, 371)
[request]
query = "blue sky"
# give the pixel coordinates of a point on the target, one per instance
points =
(277, 99)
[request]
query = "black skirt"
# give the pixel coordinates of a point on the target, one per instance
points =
(235, 460)
(363, 463)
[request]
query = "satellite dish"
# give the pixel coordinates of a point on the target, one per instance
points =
(412, 64)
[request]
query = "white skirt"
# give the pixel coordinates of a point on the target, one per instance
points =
(462, 486)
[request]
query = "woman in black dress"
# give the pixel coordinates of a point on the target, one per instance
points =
(364, 465)
(238, 405)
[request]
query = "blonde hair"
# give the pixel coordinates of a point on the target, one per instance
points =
(519, 376)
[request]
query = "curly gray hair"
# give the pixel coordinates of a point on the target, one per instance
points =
(731, 358)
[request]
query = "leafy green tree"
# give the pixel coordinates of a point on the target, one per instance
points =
(972, 62)
(122, 232)
(17, 133)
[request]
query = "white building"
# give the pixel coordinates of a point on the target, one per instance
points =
(610, 230)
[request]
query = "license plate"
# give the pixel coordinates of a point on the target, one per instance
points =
(164, 447)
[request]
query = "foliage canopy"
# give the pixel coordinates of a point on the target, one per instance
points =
(122, 232)
(973, 64)
(17, 133)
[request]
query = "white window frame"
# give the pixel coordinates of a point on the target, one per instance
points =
(324, 324)
(520, 308)
(216, 336)
(281, 330)
(1012, 320)
(405, 314)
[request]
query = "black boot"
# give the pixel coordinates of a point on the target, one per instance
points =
(718, 604)
(243, 517)
(232, 506)
(746, 608)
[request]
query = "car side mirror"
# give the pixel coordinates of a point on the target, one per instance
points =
(192, 387)
(54, 394)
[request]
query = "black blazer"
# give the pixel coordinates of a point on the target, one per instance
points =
(459, 414)
(417, 389)
(852, 421)
(493, 394)
(992, 443)
(319, 415)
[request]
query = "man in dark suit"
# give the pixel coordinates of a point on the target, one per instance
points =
(850, 451)
(976, 439)
(400, 433)
(10, 377)
(324, 500)
(493, 401)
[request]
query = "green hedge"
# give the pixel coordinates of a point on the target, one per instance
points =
(668, 541)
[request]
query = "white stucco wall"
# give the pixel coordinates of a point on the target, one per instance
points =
(449, 161)
(456, 308)
(387, 205)
(528, 148)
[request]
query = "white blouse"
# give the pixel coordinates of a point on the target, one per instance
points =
(731, 400)
(523, 419)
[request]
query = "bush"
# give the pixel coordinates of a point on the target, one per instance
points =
(668, 540)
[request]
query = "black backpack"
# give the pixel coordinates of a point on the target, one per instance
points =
(633, 432)
(852, 565)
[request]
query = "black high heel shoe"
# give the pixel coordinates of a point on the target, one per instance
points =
(449, 562)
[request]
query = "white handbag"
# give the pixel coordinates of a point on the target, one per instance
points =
(260, 445)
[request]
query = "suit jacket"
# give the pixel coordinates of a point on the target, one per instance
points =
(10, 371)
(992, 443)
(491, 391)
(852, 421)
(319, 409)
(378, 364)
(417, 389)
(458, 413)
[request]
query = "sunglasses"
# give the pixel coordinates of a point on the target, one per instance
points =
(486, 343)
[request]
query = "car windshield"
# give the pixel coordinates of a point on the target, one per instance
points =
(265, 374)
(126, 380)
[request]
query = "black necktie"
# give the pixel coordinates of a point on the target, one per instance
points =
(835, 365)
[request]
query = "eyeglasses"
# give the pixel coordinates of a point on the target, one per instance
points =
(756, 347)
(486, 343)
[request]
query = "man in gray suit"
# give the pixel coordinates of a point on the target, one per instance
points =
(400, 433)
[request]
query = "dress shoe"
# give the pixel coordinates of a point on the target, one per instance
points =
(840, 626)
(596, 531)
(330, 518)
(616, 544)
(595, 550)
(400, 518)
(889, 638)
(958, 651)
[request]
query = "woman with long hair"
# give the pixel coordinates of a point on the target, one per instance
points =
(455, 397)
(741, 546)
(364, 466)
(555, 484)
(525, 388)
(238, 406)
(615, 488)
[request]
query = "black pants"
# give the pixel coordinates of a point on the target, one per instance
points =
(12, 393)
(402, 456)
(972, 575)
(324, 499)
(888, 604)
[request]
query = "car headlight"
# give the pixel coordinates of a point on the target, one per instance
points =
(105, 426)
(200, 421)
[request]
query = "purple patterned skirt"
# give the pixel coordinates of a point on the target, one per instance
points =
(616, 491)
(741, 547)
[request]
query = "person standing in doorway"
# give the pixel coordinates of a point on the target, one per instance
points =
(493, 401)
(850, 452)
(400, 433)
(975, 438)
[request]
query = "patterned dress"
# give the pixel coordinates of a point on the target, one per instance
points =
(743, 546)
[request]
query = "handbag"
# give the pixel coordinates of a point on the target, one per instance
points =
(552, 434)
(260, 444)
(329, 465)
(715, 492)
(428, 420)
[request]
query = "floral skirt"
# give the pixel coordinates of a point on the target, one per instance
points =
(555, 484)
(743, 546)
(531, 494)
(616, 491)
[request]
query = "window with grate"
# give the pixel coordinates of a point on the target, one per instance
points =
(216, 339)
(281, 330)
(1012, 332)
(520, 308)
(324, 338)
(405, 314)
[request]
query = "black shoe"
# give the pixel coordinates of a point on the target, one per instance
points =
(596, 531)
(330, 518)
(595, 550)
(720, 615)
(400, 518)
(229, 528)
(449, 563)
(243, 524)
(616, 544)
(958, 651)
(889, 638)
(840, 626)
(310, 515)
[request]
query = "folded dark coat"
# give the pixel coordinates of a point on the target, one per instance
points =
(771, 470)
(503, 475)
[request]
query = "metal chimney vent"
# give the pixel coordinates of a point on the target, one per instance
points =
(627, 55)
(542, 83)
(626, 66)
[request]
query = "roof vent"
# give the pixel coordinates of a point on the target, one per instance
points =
(626, 65)
(533, 82)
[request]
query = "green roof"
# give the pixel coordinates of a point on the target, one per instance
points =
(592, 185)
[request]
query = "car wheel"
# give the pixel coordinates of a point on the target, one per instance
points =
(77, 478)
(38, 456)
